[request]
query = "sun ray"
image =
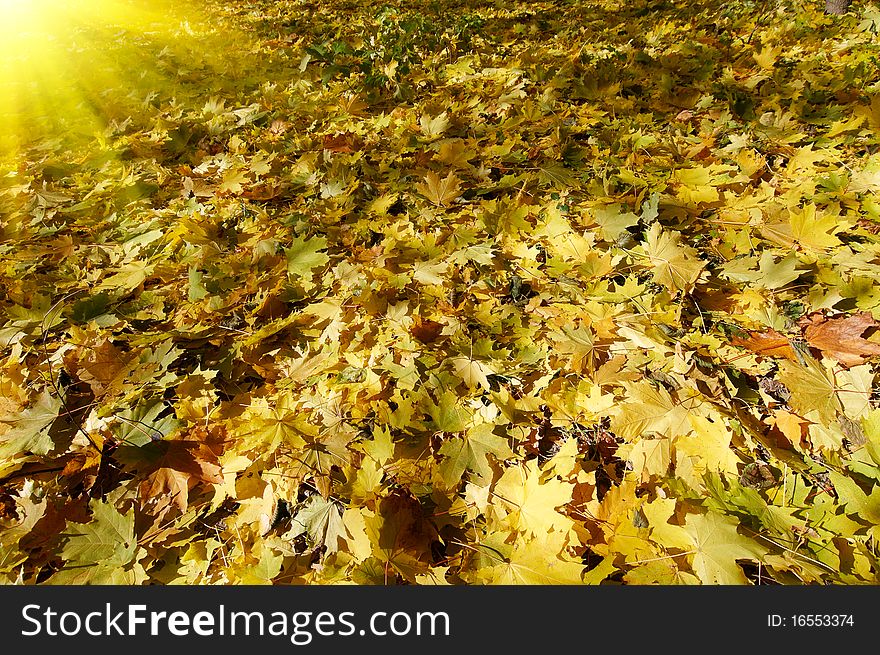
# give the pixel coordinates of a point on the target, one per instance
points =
(69, 68)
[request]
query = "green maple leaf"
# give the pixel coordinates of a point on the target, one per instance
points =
(729, 496)
(447, 414)
(717, 546)
(304, 255)
(141, 425)
(856, 501)
(470, 452)
(107, 540)
(321, 520)
(30, 431)
(812, 388)
(555, 174)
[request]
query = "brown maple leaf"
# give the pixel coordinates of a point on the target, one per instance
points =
(426, 330)
(768, 343)
(841, 338)
(404, 526)
(196, 455)
(103, 366)
(167, 486)
(174, 466)
(344, 142)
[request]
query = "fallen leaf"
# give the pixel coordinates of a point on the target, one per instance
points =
(107, 540)
(717, 547)
(768, 343)
(471, 371)
(321, 520)
(440, 192)
(425, 330)
(469, 452)
(30, 431)
(675, 266)
(841, 338)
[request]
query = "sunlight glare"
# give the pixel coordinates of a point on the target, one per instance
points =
(72, 66)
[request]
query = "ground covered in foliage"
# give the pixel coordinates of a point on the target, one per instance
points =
(456, 293)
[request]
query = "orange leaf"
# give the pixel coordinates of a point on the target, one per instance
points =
(768, 344)
(841, 338)
(167, 486)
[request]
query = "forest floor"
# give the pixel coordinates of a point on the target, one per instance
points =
(442, 293)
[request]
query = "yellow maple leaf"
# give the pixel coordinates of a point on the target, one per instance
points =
(433, 127)
(440, 192)
(675, 266)
(379, 206)
(534, 563)
(812, 231)
(649, 457)
(233, 180)
(470, 453)
(436, 576)
(708, 446)
(530, 505)
(268, 426)
(695, 185)
(455, 153)
(658, 513)
(867, 180)
(429, 272)
(650, 409)
(717, 547)
(850, 125)
(813, 388)
(471, 371)
(356, 532)
(804, 159)
(578, 342)
(767, 57)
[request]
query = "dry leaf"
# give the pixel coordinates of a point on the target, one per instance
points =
(841, 338)
(768, 343)
(440, 192)
(425, 330)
